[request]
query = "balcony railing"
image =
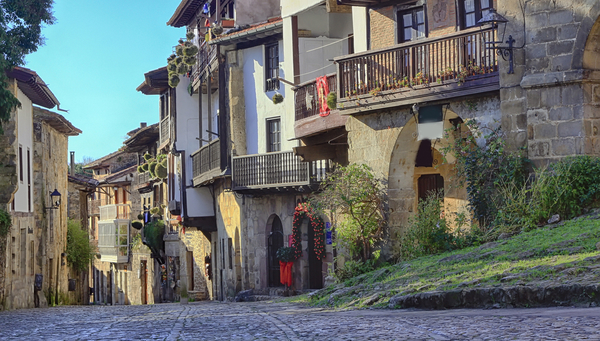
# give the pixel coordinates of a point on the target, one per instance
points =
(429, 61)
(206, 54)
(165, 130)
(280, 169)
(112, 212)
(207, 158)
(93, 207)
(307, 100)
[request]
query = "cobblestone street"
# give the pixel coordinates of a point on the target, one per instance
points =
(281, 321)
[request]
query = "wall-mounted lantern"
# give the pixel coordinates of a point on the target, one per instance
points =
(506, 52)
(54, 199)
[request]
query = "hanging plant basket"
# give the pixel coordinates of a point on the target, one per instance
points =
(332, 100)
(277, 98)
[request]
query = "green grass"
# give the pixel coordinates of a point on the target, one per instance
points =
(535, 257)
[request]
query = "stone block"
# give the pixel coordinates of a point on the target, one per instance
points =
(537, 116)
(535, 51)
(521, 121)
(561, 63)
(567, 31)
(550, 97)
(511, 94)
(560, 47)
(512, 107)
(516, 140)
(572, 94)
(568, 129)
(560, 114)
(544, 131)
(560, 17)
(534, 98)
(538, 20)
(564, 147)
(542, 35)
(537, 65)
(577, 112)
(539, 149)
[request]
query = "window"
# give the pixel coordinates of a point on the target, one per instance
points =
(473, 10)
(21, 163)
(272, 67)
(411, 24)
(273, 135)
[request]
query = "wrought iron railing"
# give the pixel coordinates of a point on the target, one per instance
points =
(280, 169)
(206, 54)
(165, 130)
(306, 97)
(452, 57)
(207, 158)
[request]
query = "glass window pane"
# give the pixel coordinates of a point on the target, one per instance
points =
(485, 12)
(407, 20)
(421, 31)
(420, 17)
(407, 34)
(470, 20)
(485, 3)
(469, 6)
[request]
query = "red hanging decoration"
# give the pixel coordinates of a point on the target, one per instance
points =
(304, 210)
(322, 92)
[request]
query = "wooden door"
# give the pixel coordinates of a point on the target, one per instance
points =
(315, 266)
(429, 183)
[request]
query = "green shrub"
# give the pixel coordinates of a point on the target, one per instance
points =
(429, 232)
(153, 234)
(332, 100)
(5, 223)
(277, 98)
(79, 250)
(353, 268)
(285, 254)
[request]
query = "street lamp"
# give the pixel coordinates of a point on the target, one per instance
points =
(495, 19)
(54, 199)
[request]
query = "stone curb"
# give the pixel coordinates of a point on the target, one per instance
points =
(501, 297)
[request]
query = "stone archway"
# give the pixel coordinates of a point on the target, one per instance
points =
(591, 86)
(403, 180)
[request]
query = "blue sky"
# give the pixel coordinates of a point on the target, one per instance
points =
(95, 56)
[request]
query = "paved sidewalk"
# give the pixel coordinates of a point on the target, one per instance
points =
(283, 321)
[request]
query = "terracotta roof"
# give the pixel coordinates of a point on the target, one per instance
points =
(56, 121)
(255, 31)
(81, 180)
(142, 138)
(100, 162)
(185, 12)
(33, 87)
(155, 82)
(106, 180)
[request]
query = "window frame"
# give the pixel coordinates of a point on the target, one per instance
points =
(478, 12)
(400, 12)
(272, 67)
(273, 146)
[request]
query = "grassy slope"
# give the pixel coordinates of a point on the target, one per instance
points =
(551, 255)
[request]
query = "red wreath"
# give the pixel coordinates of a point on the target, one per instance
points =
(304, 210)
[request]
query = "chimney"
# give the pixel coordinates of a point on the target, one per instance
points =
(143, 124)
(72, 163)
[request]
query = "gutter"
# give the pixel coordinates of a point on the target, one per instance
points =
(232, 38)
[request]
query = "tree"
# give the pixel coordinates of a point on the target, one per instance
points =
(354, 200)
(20, 34)
(79, 250)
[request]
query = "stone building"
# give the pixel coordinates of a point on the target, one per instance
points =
(124, 272)
(34, 270)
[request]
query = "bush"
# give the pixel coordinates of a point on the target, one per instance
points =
(428, 232)
(153, 234)
(353, 268)
(79, 250)
(286, 254)
(5, 223)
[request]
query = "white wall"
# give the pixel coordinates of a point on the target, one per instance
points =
(25, 141)
(251, 12)
(293, 7)
(259, 103)
(214, 114)
(359, 23)
(199, 200)
(315, 56)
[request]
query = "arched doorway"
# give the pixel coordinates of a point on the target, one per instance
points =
(274, 242)
(315, 265)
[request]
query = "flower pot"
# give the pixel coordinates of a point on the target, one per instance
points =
(227, 23)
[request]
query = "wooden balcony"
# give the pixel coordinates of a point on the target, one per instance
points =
(425, 70)
(276, 172)
(308, 119)
(206, 56)
(112, 212)
(165, 131)
(144, 182)
(206, 162)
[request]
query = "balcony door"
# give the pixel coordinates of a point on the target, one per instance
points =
(411, 27)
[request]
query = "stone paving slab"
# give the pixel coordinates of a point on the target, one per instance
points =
(284, 321)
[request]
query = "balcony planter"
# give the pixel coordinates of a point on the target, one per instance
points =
(227, 23)
(277, 98)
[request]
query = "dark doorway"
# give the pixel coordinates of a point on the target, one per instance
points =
(144, 273)
(315, 266)
(429, 183)
(275, 241)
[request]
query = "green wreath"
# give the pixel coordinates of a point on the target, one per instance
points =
(304, 210)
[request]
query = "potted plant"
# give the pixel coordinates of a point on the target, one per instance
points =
(286, 256)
